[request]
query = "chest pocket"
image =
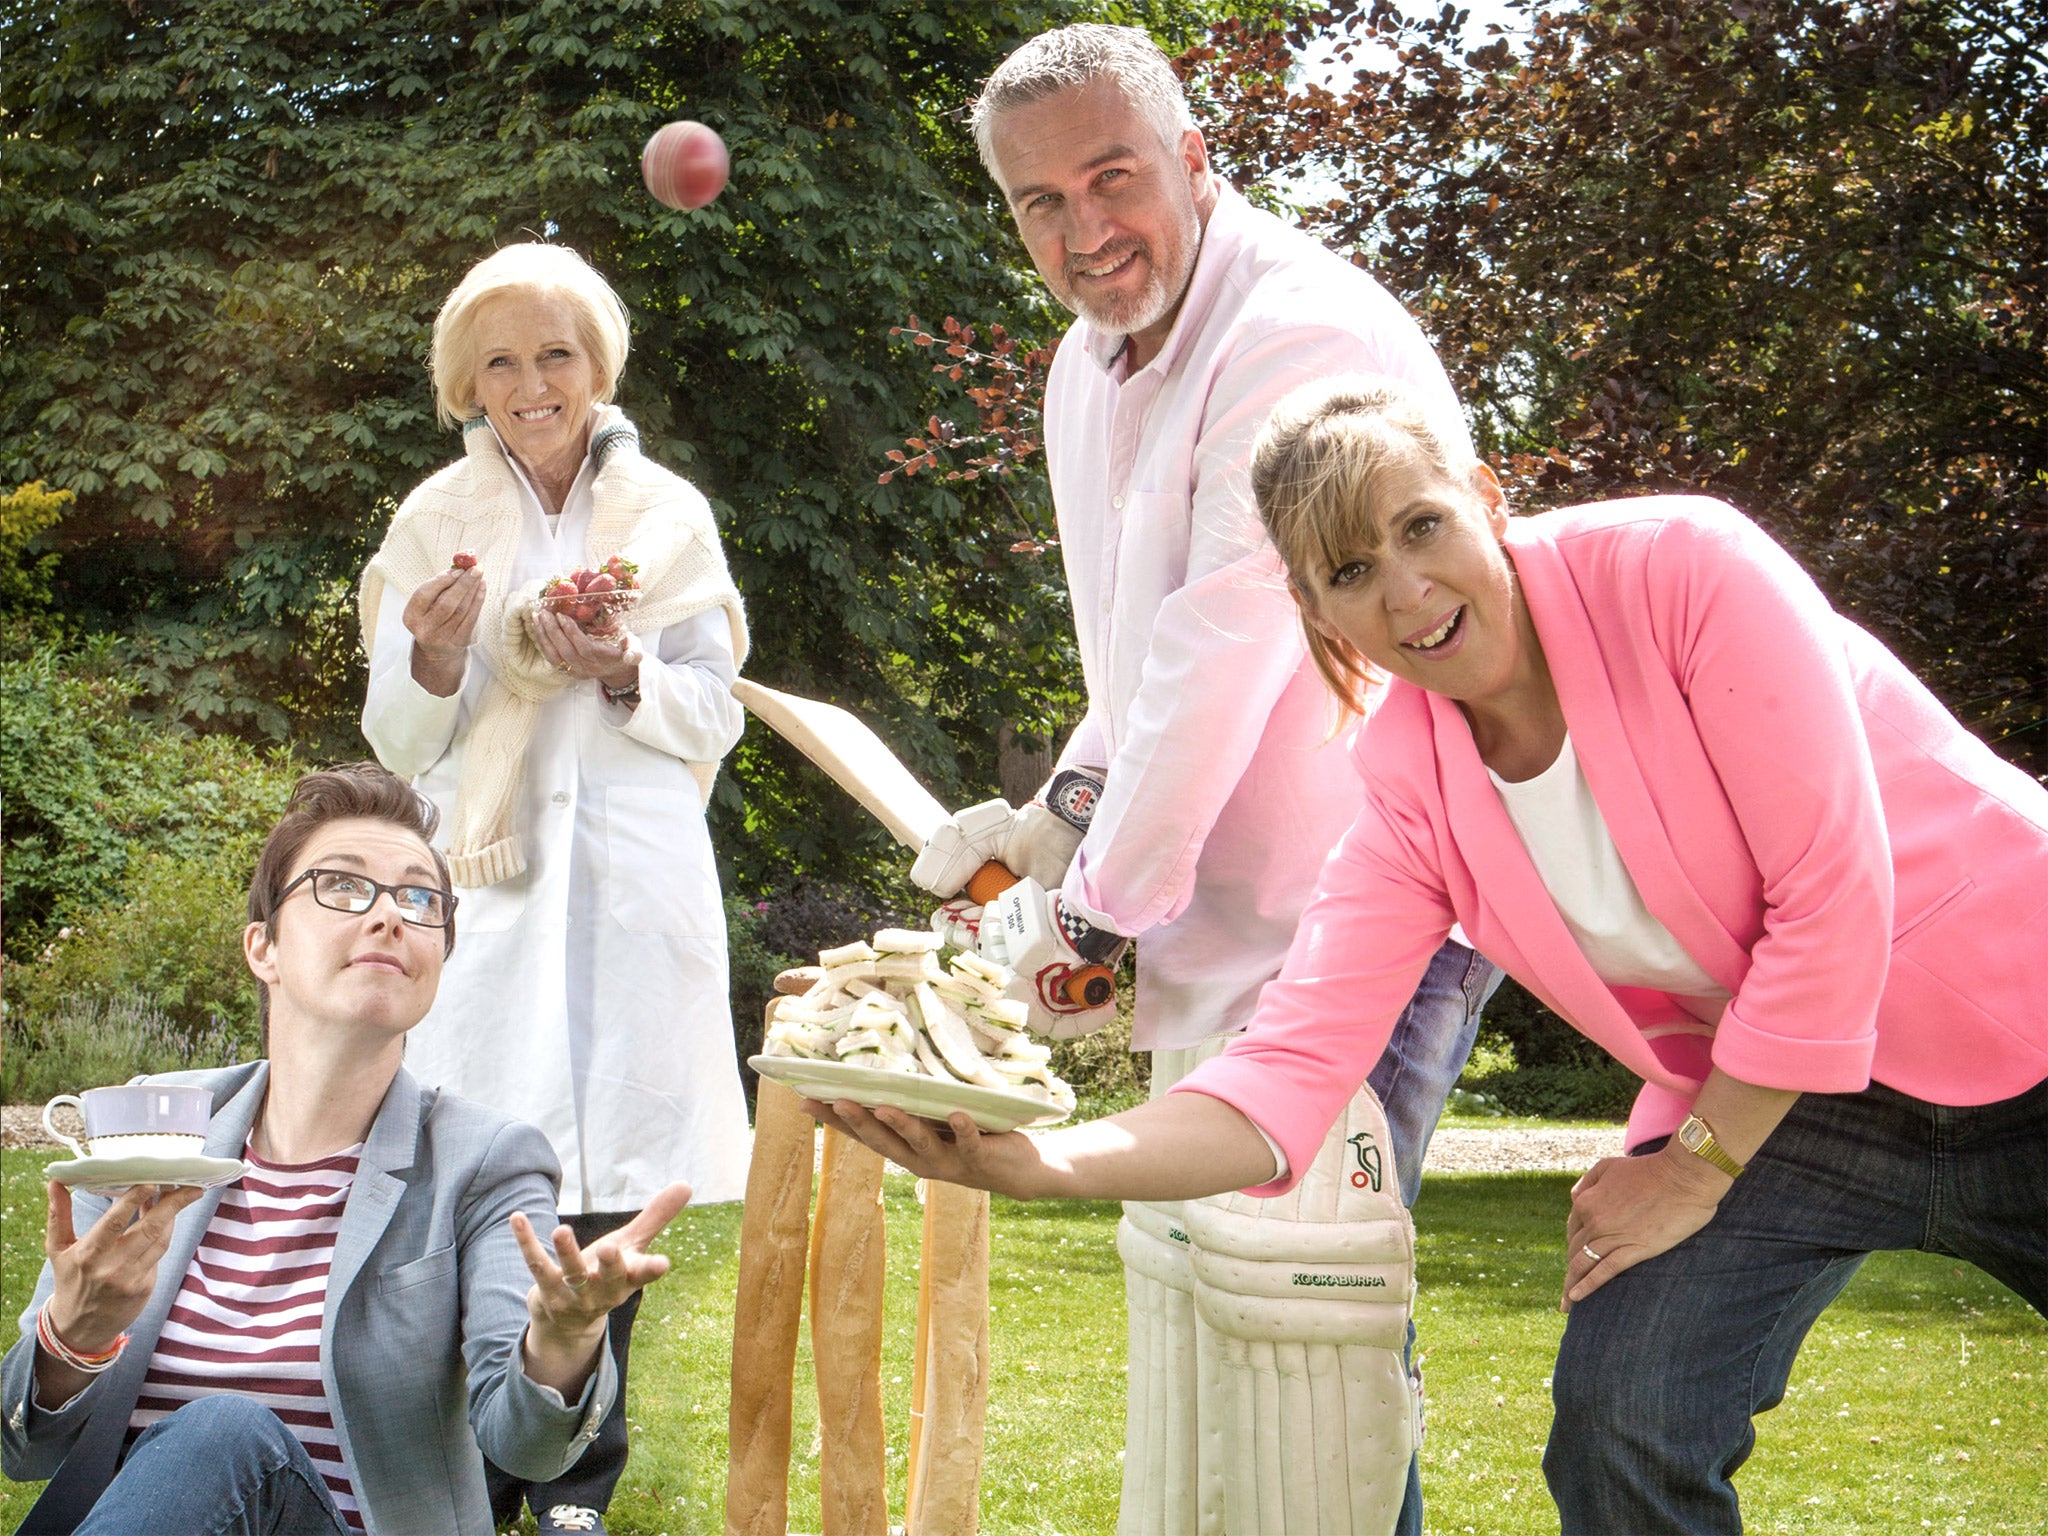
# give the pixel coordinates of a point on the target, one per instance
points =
(417, 1272)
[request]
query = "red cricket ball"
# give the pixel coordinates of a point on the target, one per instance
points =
(684, 165)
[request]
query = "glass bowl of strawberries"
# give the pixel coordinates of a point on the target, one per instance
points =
(595, 599)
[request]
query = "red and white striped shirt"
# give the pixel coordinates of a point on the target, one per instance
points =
(247, 1317)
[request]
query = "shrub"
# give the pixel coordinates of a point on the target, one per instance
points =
(1528, 1061)
(94, 1041)
(1101, 1068)
(751, 970)
(91, 788)
(172, 935)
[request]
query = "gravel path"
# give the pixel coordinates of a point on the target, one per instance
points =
(1463, 1150)
(1476, 1150)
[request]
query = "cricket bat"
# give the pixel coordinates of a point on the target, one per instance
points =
(859, 762)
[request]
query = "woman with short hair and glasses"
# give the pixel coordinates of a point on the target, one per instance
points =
(335, 1342)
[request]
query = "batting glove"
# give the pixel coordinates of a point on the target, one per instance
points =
(960, 845)
(1048, 945)
(1036, 842)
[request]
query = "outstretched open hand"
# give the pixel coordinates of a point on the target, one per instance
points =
(575, 1288)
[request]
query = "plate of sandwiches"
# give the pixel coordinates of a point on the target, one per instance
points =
(906, 1022)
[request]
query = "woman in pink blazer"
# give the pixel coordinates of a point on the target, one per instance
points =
(1724, 833)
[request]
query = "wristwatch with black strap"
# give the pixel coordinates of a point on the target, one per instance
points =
(1697, 1137)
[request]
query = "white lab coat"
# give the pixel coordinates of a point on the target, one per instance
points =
(1225, 789)
(587, 994)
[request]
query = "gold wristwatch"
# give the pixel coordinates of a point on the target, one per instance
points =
(1697, 1137)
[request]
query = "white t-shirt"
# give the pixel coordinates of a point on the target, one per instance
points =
(1567, 840)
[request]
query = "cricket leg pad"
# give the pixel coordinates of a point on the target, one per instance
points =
(1162, 1489)
(1309, 1295)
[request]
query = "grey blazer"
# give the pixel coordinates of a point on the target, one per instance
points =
(419, 1347)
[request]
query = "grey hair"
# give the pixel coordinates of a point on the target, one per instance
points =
(1069, 58)
(533, 270)
(1314, 468)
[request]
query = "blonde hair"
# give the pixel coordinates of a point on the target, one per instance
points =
(531, 270)
(1313, 473)
(1071, 58)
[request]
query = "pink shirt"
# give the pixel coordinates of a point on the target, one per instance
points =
(1866, 878)
(1224, 790)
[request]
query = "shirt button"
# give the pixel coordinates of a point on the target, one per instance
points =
(1117, 502)
(560, 797)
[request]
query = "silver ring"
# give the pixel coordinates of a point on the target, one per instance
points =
(1587, 1250)
(575, 1285)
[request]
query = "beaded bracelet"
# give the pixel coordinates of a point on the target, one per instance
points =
(91, 1365)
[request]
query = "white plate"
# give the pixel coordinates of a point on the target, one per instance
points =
(111, 1175)
(993, 1109)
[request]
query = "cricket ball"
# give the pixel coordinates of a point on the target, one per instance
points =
(684, 165)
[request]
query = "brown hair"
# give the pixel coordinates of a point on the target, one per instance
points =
(1313, 471)
(353, 791)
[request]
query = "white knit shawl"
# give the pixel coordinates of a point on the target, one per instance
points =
(638, 509)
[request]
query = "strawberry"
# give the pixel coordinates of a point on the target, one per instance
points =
(583, 580)
(465, 560)
(561, 586)
(585, 612)
(603, 581)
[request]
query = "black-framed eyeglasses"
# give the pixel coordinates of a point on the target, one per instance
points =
(343, 890)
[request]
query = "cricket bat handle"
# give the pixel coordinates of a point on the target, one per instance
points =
(1092, 986)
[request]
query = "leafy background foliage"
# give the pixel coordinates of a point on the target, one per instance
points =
(1791, 252)
(227, 227)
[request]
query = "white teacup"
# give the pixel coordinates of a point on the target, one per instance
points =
(137, 1120)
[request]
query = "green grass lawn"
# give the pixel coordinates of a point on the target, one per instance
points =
(1921, 1402)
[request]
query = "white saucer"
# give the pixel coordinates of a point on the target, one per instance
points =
(993, 1109)
(111, 1175)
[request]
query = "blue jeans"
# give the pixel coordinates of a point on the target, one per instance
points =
(1426, 1054)
(220, 1466)
(1663, 1368)
(1414, 1075)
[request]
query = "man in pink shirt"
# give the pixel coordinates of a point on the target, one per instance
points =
(1195, 803)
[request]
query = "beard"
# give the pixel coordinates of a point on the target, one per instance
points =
(1165, 281)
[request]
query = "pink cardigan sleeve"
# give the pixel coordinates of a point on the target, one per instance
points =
(1365, 940)
(1759, 656)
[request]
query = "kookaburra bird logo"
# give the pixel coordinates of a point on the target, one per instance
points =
(1368, 1153)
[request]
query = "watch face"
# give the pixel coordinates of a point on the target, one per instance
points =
(1691, 1134)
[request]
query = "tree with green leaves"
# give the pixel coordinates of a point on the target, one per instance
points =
(225, 228)
(1793, 253)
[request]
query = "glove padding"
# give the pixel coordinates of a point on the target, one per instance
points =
(1034, 843)
(958, 922)
(960, 845)
(1029, 929)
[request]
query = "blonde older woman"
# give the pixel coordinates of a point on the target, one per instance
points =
(589, 996)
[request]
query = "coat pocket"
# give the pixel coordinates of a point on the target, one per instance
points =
(1927, 914)
(662, 880)
(431, 1266)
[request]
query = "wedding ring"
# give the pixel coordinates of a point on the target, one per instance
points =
(575, 1285)
(1587, 1250)
(561, 666)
